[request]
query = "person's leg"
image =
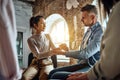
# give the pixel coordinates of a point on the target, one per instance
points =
(62, 75)
(85, 69)
(44, 71)
(29, 73)
(71, 68)
(43, 75)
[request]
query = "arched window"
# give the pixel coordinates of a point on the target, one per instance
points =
(57, 27)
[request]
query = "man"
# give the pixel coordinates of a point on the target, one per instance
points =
(90, 46)
(9, 68)
(108, 67)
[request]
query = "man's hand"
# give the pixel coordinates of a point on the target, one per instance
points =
(58, 51)
(61, 50)
(63, 47)
(78, 76)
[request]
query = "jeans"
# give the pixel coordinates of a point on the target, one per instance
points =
(63, 72)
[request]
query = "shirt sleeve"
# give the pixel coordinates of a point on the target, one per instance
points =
(35, 50)
(92, 48)
(52, 46)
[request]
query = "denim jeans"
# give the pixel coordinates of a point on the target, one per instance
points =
(63, 72)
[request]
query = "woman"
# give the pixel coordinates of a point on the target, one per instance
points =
(39, 44)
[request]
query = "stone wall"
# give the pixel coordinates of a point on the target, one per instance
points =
(23, 12)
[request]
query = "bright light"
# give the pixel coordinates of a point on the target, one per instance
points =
(60, 33)
(57, 27)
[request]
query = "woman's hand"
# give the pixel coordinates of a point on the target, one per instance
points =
(63, 47)
(58, 51)
(61, 50)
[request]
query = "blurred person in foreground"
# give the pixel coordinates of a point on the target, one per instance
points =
(9, 68)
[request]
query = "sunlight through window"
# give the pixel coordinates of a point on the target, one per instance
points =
(60, 33)
(57, 27)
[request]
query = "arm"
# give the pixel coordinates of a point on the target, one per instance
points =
(90, 50)
(62, 46)
(108, 67)
(35, 50)
(52, 46)
(51, 43)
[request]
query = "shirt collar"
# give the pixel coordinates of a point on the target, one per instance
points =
(94, 26)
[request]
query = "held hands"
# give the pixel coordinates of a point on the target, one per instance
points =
(58, 51)
(78, 76)
(61, 50)
(64, 47)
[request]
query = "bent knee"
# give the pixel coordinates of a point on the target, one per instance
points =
(29, 74)
(25, 77)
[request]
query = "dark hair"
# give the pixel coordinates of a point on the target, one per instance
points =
(89, 8)
(37, 18)
(34, 20)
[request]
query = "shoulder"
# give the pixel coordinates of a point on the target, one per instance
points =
(117, 6)
(98, 29)
(30, 38)
(99, 26)
(47, 36)
(116, 10)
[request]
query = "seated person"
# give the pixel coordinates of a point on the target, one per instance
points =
(40, 45)
(89, 51)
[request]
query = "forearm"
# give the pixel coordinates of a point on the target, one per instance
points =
(89, 51)
(92, 48)
(39, 55)
(44, 54)
(73, 54)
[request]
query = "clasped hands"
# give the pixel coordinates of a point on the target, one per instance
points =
(61, 50)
